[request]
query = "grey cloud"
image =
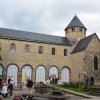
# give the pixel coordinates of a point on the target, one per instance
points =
(48, 16)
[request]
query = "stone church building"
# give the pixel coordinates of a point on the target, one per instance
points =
(42, 57)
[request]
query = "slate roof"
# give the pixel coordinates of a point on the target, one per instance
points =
(83, 43)
(33, 37)
(75, 22)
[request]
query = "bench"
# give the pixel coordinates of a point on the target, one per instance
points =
(41, 89)
(94, 89)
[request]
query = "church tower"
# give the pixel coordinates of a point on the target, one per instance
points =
(75, 30)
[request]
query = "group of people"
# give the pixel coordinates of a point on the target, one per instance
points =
(5, 89)
(88, 81)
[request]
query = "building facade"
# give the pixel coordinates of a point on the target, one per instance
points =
(42, 57)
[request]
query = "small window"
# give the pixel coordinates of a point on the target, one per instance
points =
(53, 51)
(65, 52)
(27, 48)
(12, 47)
(40, 51)
(95, 63)
(73, 29)
(80, 29)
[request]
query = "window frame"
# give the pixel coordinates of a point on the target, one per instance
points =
(12, 47)
(27, 48)
(65, 52)
(53, 52)
(73, 29)
(40, 50)
(96, 64)
(80, 29)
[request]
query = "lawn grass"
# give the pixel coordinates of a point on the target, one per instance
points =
(73, 88)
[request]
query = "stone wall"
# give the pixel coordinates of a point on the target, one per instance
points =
(91, 51)
(20, 58)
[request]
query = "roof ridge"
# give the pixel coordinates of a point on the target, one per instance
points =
(31, 36)
(88, 36)
(83, 43)
(31, 32)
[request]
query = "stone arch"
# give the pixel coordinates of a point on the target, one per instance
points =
(40, 65)
(12, 64)
(27, 65)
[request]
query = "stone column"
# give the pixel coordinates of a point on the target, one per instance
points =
(5, 73)
(47, 75)
(33, 75)
(19, 76)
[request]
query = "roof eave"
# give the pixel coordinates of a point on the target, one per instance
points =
(36, 41)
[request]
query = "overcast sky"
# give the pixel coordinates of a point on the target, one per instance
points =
(49, 16)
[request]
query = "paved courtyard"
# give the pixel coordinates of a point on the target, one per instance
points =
(18, 91)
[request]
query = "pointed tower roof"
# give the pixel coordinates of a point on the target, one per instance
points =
(75, 22)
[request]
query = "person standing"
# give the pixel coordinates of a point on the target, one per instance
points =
(10, 88)
(29, 86)
(4, 91)
(86, 80)
(91, 80)
(9, 80)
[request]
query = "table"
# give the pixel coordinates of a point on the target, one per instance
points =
(41, 89)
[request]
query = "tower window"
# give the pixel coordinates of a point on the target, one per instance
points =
(95, 63)
(73, 29)
(80, 29)
(53, 51)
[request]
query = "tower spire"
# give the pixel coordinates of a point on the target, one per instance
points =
(75, 22)
(75, 29)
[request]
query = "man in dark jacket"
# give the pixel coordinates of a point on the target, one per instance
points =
(10, 88)
(29, 83)
(29, 86)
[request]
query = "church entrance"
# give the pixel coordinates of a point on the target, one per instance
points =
(12, 73)
(40, 74)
